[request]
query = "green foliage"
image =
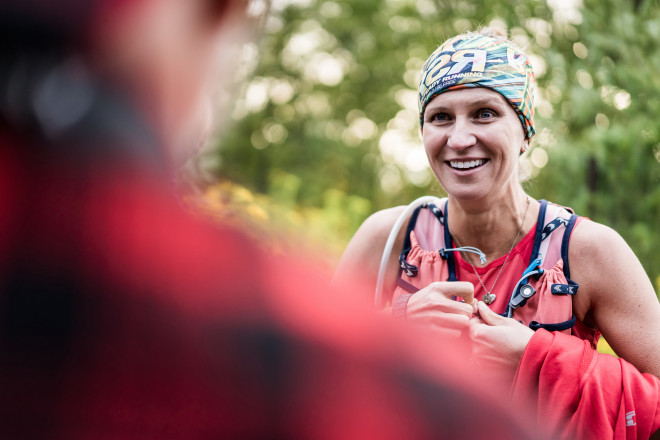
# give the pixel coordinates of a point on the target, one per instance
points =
(605, 163)
(328, 120)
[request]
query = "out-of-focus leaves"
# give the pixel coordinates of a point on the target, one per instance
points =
(605, 162)
(279, 226)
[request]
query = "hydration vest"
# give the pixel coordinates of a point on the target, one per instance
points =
(542, 297)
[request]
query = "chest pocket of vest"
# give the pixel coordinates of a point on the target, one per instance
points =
(524, 291)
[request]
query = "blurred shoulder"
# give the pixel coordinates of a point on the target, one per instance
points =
(381, 222)
(363, 253)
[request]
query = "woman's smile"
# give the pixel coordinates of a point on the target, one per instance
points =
(466, 165)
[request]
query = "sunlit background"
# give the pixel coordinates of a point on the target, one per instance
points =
(326, 128)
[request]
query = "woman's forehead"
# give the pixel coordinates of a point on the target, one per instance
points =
(467, 96)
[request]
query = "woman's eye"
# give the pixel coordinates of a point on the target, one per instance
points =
(486, 114)
(439, 117)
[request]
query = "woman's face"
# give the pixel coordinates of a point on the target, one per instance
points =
(473, 138)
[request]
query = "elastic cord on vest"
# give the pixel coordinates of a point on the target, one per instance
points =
(474, 250)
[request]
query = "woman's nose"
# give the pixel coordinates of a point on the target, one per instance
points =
(461, 135)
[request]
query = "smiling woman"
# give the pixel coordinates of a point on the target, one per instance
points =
(483, 137)
(508, 250)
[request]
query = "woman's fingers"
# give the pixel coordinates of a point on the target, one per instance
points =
(461, 289)
(448, 320)
(488, 316)
(438, 297)
(447, 325)
(497, 340)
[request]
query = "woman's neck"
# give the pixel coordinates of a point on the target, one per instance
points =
(493, 227)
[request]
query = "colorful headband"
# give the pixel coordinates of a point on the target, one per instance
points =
(474, 60)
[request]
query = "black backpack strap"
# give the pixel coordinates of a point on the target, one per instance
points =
(570, 288)
(451, 263)
(404, 266)
(557, 327)
(564, 244)
(538, 235)
(405, 285)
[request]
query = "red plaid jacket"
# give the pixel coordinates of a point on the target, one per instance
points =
(122, 317)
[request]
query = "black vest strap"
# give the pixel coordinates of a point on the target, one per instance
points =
(570, 288)
(550, 227)
(564, 244)
(411, 225)
(410, 269)
(451, 263)
(405, 285)
(553, 327)
(539, 231)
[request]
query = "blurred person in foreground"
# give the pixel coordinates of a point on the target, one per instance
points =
(121, 316)
(490, 239)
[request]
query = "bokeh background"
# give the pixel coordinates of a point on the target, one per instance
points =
(325, 130)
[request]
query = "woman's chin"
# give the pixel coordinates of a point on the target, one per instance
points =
(465, 192)
(467, 198)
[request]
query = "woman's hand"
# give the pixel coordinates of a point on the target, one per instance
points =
(497, 342)
(434, 306)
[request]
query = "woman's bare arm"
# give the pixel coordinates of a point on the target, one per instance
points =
(615, 295)
(362, 256)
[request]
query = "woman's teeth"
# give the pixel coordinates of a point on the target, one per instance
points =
(466, 165)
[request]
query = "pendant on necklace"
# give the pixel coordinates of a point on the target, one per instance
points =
(489, 298)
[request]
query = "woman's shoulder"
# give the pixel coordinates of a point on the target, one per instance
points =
(385, 217)
(379, 224)
(594, 237)
(363, 253)
(589, 236)
(595, 250)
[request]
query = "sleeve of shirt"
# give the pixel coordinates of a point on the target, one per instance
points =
(578, 392)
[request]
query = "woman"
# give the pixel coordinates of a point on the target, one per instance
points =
(532, 261)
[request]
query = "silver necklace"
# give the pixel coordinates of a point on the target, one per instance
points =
(489, 297)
